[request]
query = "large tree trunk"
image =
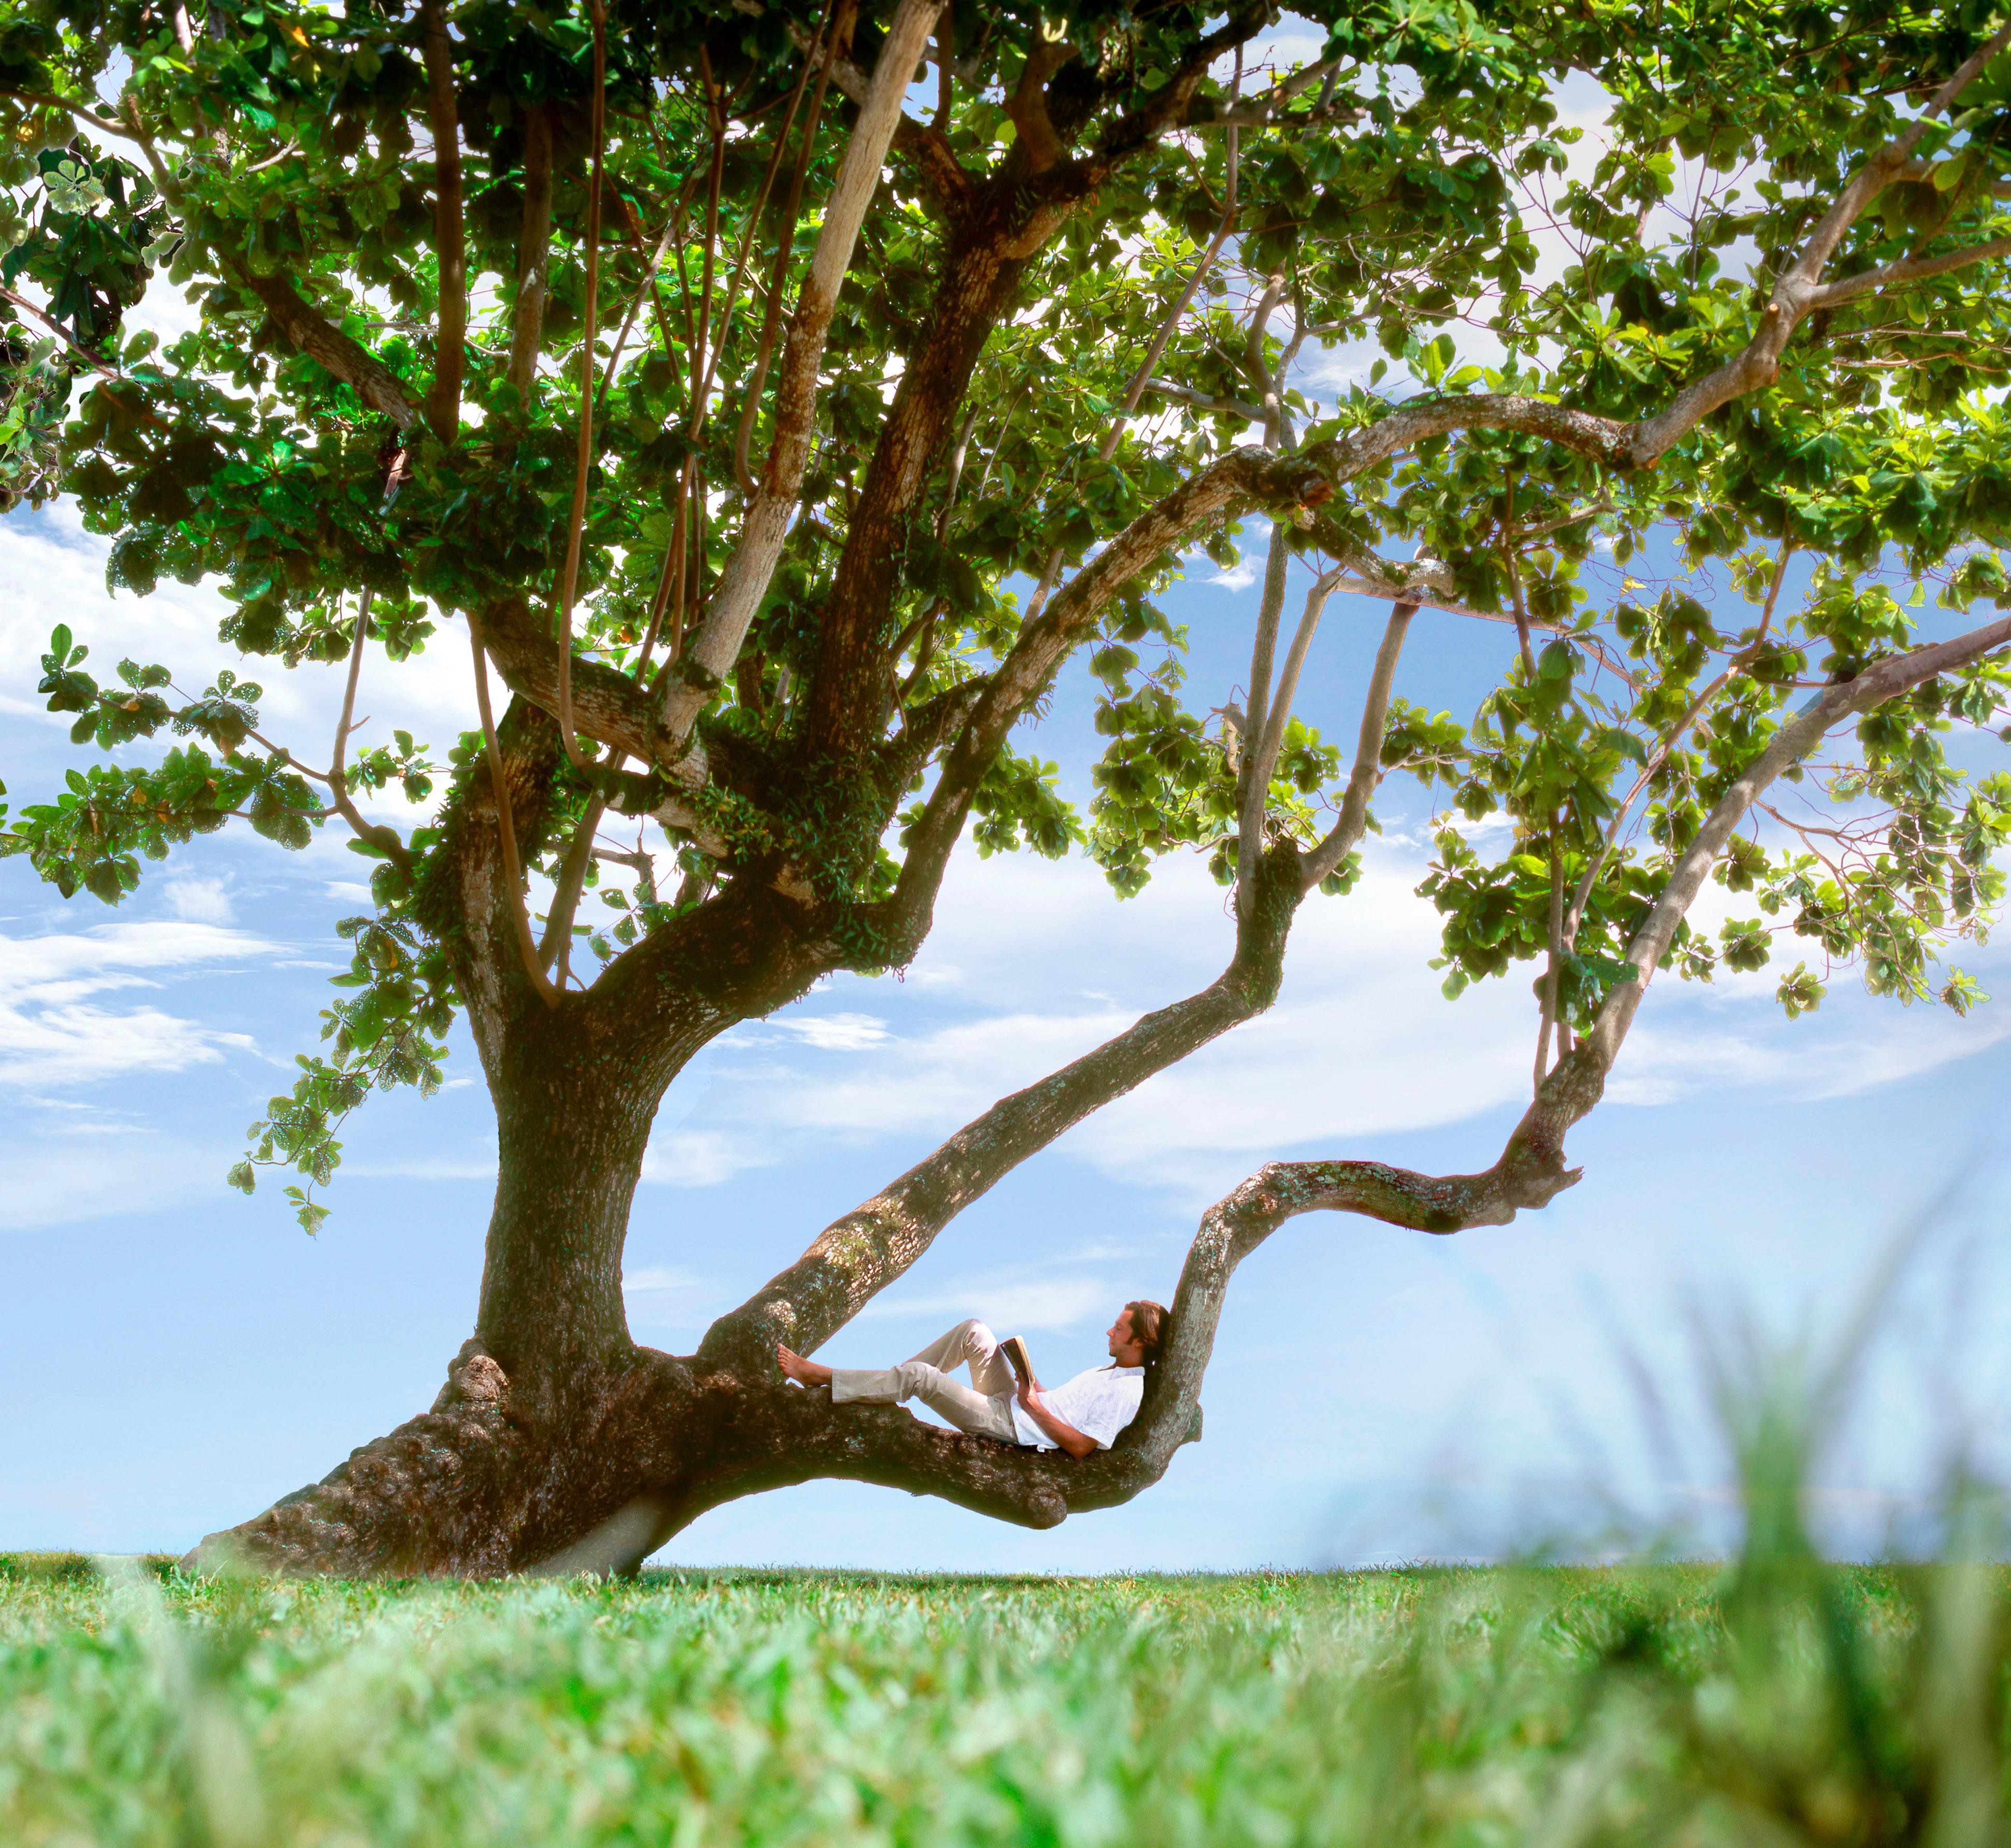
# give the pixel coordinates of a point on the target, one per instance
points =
(551, 1417)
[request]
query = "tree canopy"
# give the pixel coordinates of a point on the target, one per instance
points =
(778, 394)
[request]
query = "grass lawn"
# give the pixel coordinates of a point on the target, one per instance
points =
(1694, 1704)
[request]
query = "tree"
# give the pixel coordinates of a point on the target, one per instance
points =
(778, 394)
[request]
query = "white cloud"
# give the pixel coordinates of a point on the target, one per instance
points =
(200, 900)
(657, 1277)
(1359, 1046)
(51, 1034)
(430, 695)
(835, 1032)
(1064, 967)
(1702, 1040)
(666, 1296)
(1008, 1307)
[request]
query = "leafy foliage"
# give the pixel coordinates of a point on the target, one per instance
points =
(1421, 197)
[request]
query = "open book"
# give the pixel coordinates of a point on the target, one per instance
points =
(1015, 1351)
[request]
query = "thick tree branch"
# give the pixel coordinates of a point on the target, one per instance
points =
(506, 828)
(715, 645)
(534, 252)
(1039, 1489)
(867, 1249)
(450, 241)
(1254, 795)
(330, 348)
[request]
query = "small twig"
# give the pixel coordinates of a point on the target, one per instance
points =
(338, 784)
(104, 125)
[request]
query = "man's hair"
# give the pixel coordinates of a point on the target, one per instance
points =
(1150, 1324)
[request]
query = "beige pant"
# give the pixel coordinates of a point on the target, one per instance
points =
(987, 1413)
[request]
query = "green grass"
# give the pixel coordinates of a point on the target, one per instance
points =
(1777, 1702)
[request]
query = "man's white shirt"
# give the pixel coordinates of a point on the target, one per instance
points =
(1099, 1404)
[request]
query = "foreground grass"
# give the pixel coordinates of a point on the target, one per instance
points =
(1515, 1705)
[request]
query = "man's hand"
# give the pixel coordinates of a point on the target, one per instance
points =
(1077, 1443)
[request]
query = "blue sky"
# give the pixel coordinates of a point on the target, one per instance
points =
(176, 1356)
(173, 1357)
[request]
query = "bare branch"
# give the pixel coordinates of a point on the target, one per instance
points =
(1906, 269)
(385, 840)
(90, 359)
(1279, 709)
(104, 124)
(1254, 790)
(1368, 772)
(1182, 394)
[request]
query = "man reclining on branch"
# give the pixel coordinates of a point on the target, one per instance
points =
(1009, 1403)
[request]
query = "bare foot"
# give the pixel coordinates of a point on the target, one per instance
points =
(805, 1373)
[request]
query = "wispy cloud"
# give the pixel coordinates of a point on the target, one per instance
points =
(1359, 1046)
(667, 1296)
(835, 1032)
(53, 1034)
(86, 1167)
(1010, 1306)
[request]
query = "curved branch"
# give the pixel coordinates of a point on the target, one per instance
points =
(1040, 1489)
(385, 840)
(859, 1254)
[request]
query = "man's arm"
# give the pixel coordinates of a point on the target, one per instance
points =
(1077, 1443)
